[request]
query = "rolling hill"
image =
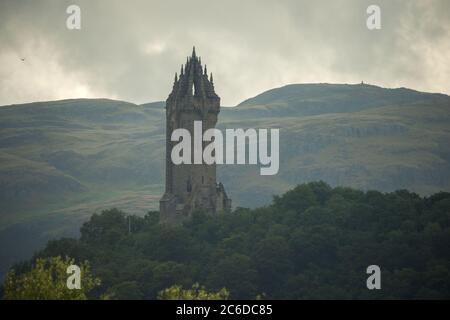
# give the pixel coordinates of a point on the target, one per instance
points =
(61, 161)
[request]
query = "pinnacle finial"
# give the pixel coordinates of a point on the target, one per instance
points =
(206, 71)
(181, 71)
(193, 51)
(176, 77)
(211, 79)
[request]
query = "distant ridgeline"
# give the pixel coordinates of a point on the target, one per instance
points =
(313, 242)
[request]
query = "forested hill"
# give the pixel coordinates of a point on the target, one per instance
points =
(313, 242)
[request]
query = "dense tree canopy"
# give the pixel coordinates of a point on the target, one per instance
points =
(312, 242)
(195, 293)
(47, 280)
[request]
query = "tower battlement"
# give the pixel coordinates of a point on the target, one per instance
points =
(193, 81)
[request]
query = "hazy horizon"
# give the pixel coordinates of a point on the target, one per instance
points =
(223, 106)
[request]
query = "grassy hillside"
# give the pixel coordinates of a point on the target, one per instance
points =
(61, 161)
(61, 150)
(353, 135)
(315, 99)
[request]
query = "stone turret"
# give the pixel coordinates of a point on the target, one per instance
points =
(191, 187)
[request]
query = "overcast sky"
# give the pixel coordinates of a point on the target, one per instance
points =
(130, 50)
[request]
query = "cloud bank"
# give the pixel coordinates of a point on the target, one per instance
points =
(130, 50)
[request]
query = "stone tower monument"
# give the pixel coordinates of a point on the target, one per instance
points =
(191, 186)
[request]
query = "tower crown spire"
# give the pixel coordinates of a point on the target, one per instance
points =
(193, 80)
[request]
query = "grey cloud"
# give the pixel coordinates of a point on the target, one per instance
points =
(130, 50)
